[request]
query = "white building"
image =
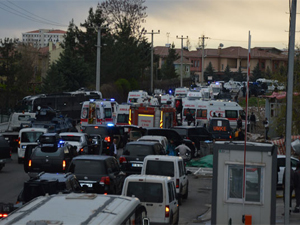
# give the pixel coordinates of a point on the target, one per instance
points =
(41, 38)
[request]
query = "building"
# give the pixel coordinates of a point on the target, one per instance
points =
(235, 57)
(41, 38)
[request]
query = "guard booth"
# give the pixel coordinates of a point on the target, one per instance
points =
(258, 203)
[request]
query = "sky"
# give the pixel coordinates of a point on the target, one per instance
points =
(220, 21)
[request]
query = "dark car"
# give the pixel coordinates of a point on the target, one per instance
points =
(134, 152)
(5, 152)
(108, 133)
(220, 128)
(196, 134)
(51, 158)
(48, 183)
(172, 134)
(98, 173)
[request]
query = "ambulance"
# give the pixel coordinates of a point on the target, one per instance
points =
(216, 88)
(138, 96)
(97, 112)
(205, 110)
(123, 114)
(167, 100)
(194, 95)
(181, 92)
(188, 105)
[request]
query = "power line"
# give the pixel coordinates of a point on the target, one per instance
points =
(58, 24)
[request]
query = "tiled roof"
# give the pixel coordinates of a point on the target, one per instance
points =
(44, 50)
(57, 32)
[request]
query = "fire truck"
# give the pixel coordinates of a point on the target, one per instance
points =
(97, 112)
(144, 115)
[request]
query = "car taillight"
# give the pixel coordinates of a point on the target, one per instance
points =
(230, 136)
(177, 183)
(167, 211)
(64, 164)
(107, 139)
(105, 181)
(3, 215)
(19, 142)
(122, 159)
(81, 150)
(29, 163)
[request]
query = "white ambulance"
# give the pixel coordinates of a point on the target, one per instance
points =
(167, 100)
(138, 96)
(216, 88)
(205, 110)
(194, 95)
(97, 112)
(181, 92)
(123, 114)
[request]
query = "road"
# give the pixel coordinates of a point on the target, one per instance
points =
(13, 176)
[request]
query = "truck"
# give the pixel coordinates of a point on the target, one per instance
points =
(79, 208)
(146, 116)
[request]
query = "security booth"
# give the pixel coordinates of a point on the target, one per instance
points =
(254, 204)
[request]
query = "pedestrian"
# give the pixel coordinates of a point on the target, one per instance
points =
(241, 135)
(297, 188)
(292, 175)
(189, 117)
(266, 124)
(214, 114)
(219, 115)
(113, 148)
(252, 122)
(239, 122)
(171, 148)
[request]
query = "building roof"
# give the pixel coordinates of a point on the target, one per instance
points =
(57, 32)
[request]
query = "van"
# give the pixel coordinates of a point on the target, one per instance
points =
(137, 96)
(157, 194)
(79, 208)
(28, 136)
(18, 121)
(172, 166)
(161, 139)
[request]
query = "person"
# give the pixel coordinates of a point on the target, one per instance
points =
(214, 114)
(266, 124)
(236, 97)
(239, 122)
(252, 122)
(241, 135)
(184, 151)
(292, 175)
(297, 188)
(189, 117)
(171, 148)
(113, 148)
(244, 90)
(219, 115)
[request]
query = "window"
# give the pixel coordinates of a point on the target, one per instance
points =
(163, 168)
(202, 113)
(254, 183)
(146, 191)
(170, 191)
(231, 113)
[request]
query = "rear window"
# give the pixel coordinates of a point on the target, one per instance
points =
(27, 137)
(46, 151)
(163, 168)
(71, 138)
(219, 126)
(139, 150)
(90, 167)
(146, 191)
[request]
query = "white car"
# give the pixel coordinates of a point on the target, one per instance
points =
(161, 139)
(80, 140)
(281, 165)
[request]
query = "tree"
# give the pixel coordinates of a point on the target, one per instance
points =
(209, 72)
(54, 82)
(168, 68)
(256, 73)
(227, 74)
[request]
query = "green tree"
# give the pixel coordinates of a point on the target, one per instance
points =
(54, 82)
(168, 68)
(256, 73)
(209, 72)
(227, 74)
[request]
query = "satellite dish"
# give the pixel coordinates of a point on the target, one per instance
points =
(221, 45)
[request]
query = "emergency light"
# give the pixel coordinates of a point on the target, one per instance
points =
(110, 124)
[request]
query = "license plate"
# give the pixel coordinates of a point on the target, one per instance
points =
(137, 165)
(88, 185)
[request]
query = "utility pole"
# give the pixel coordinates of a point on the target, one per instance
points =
(202, 64)
(151, 89)
(98, 57)
(181, 56)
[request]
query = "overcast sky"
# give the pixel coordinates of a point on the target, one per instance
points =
(221, 21)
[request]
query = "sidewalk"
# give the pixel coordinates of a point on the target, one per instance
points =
(294, 217)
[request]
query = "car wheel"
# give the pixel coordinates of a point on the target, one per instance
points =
(186, 194)
(177, 218)
(171, 218)
(180, 198)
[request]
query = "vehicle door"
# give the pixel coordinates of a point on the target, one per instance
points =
(118, 175)
(173, 202)
(183, 179)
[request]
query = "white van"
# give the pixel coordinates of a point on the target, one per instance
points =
(18, 121)
(161, 139)
(172, 166)
(28, 136)
(157, 194)
(80, 208)
(138, 96)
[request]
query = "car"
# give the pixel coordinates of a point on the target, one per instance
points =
(281, 166)
(161, 139)
(197, 134)
(48, 183)
(172, 134)
(95, 144)
(172, 166)
(134, 152)
(80, 140)
(220, 128)
(51, 158)
(98, 173)
(108, 133)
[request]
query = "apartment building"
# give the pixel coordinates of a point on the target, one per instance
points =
(41, 38)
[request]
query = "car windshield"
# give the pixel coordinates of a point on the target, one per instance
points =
(91, 167)
(71, 138)
(30, 136)
(162, 168)
(146, 191)
(139, 150)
